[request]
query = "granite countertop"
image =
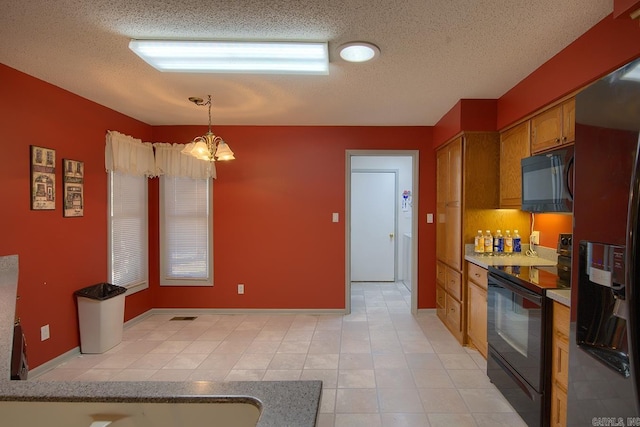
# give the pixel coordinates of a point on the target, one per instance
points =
(522, 260)
(280, 402)
(543, 257)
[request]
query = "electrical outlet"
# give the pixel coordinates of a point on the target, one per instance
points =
(240, 288)
(44, 333)
(535, 238)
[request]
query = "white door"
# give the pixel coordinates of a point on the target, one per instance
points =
(373, 222)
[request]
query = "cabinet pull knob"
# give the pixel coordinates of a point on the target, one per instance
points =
(476, 274)
(557, 140)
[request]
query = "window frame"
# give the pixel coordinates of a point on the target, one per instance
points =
(143, 283)
(185, 281)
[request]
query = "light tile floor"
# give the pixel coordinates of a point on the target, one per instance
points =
(380, 366)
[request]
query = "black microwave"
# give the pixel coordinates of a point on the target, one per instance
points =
(547, 181)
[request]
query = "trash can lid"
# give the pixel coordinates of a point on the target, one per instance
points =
(100, 291)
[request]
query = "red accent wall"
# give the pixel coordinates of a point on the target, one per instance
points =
(605, 47)
(57, 255)
(622, 8)
(272, 215)
(467, 115)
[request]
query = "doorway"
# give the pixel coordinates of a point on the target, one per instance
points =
(381, 219)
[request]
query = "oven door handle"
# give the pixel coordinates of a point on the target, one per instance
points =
(525, 293)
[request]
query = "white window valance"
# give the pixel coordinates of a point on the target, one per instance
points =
(171, 162)
(129, 155)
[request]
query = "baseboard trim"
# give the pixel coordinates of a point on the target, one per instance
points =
(203, 311)
(53, 363)
(426, 310)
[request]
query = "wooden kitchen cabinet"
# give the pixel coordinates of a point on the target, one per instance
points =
(448, 206)
(514, 146)
(559, 364)
(477, 307)
(554, 127)
(467, 179)
(449, 298)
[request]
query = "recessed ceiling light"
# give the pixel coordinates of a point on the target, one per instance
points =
(199, 56)
(359, 51)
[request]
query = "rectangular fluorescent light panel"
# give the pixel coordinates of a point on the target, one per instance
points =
(234, 56)
(631, 72)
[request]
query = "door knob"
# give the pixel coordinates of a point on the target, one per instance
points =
(391, 235)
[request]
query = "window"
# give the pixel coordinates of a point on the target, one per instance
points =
(128, 241)
(186, 233)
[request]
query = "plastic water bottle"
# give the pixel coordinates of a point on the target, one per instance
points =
(508, 243)
(498, 243)
(488, 243)
(517, 246)
(478, 247)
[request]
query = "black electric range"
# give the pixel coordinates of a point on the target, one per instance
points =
(537, 279)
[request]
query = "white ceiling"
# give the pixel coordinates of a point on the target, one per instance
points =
(433, 53)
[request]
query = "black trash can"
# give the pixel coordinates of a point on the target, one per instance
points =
(100, 316)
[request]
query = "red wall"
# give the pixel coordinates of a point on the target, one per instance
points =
(605, 47)
(57, 255)
(272, 215)
(622, 8)
(467, 115)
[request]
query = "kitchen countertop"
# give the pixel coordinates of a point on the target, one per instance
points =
(544, 257)
(522, 260)
(281, 402)
(563, 296)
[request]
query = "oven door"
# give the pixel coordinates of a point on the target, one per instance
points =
(516, 328)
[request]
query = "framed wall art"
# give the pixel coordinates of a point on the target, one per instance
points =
(43, 178)
(73, 180)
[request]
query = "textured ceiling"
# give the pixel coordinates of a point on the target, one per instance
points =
(433, 53)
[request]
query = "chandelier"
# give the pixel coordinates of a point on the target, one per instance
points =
(208, 147)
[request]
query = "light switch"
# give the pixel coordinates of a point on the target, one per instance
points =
(335, 217)
(430, 218)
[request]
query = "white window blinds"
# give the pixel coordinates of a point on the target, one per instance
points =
(128, 254)
(186, 231)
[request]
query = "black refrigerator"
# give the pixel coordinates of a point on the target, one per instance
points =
(604, 359)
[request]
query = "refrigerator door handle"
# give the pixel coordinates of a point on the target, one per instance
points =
(633, 276)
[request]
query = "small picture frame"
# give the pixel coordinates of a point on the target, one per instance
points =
(73, 180)
(43, 178)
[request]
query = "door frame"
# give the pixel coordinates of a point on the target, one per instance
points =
(396, 191)
(414, 154)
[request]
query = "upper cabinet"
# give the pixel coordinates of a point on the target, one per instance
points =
(554, 127)
(514, 146)
(448, 209)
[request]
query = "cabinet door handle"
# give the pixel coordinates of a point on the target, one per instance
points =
(557, 140)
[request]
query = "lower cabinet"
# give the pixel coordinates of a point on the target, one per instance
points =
(559, 365)
(449, 299)
(477, 307)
